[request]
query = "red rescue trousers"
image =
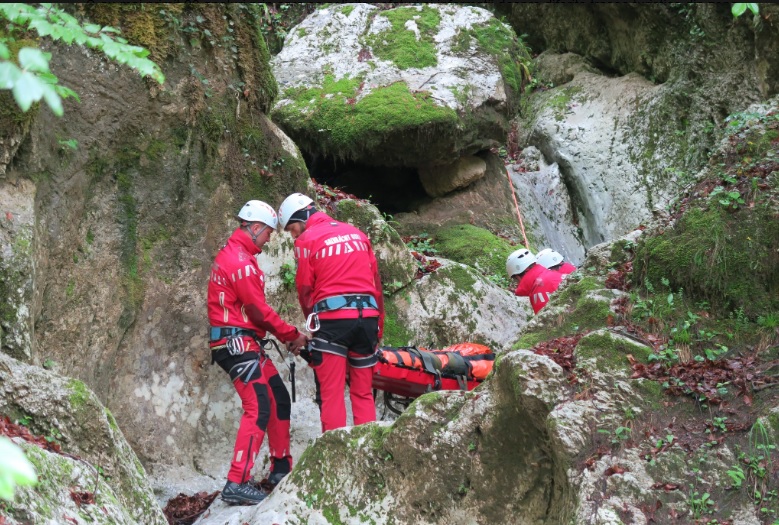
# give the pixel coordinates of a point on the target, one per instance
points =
(331, 379)
(344, 348)
(266, 408)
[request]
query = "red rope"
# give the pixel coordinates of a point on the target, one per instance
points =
(516, 205)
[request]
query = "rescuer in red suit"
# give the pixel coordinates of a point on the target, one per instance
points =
(340, 292)
(240, 319)
(535, 281)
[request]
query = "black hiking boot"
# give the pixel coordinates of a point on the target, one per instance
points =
(242, 494)
(275, 478)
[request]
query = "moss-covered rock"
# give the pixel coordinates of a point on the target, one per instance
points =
(730, 260)
(579, 305)
(610, 350)
(723, 247)
(367, 86)
(475, 247)
(99, 459)
(458, 304)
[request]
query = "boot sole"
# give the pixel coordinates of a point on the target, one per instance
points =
(237, 500)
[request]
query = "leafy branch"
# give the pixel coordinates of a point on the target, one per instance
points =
(31, 80)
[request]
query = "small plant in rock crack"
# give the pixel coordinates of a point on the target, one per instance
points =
(699, 503)
(729, 199)
(288, 276)
(620, 434)
(423, 244)
(737, 476)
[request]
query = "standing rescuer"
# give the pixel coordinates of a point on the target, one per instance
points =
(535, 281)
(340, 292)
(240, 319)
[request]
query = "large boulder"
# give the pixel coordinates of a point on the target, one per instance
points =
(456, 304)
(95, 457)
(440, 180)
(611, 189)
(408, 86)
(17, 268)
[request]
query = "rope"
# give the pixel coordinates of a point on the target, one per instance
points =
(516, 205)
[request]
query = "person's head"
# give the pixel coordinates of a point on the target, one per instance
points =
(294, 212)
(259, 220)
(549, 259)
(519, 262)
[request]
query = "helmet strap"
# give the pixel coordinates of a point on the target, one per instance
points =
(248, 226)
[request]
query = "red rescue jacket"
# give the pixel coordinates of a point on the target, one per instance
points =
(566, 268)
(236, 293)
(537, 284)
(335, 258)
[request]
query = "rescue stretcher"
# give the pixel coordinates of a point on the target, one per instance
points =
(405, 373)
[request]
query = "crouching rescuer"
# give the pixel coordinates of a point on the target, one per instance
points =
(240, 319)
(340, 293)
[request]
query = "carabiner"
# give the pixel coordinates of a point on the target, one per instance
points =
(315, 318)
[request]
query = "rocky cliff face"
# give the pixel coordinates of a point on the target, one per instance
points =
(106, 248)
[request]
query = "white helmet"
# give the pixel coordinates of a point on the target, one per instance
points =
(258, 211)
(293, 203)
(548, 258)
(519, 261)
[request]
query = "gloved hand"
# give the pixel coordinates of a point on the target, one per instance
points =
(235, 345)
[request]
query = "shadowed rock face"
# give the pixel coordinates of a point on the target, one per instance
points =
(405, 87)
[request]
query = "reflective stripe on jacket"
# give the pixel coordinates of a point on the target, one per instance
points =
(236, 291)
(335, 258)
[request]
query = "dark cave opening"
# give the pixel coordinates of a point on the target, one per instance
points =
(392, 189)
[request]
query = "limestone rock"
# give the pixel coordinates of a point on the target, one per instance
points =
(440, 180)
(611, 189)
(391, 87)
(17, 269)
(457, 304)
(66, 411)
(546, 206)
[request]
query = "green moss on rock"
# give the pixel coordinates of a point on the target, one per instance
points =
(474, 246)
(395, 332)
(729, 259)
(329, 119)
(585, 310)
(79, 394)
(400, 45)
(610, 350)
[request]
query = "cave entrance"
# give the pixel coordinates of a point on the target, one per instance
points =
(392, 189)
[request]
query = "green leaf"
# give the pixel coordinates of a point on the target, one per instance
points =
(4, 53)
(92, 28)
(28, 89)
(9, 74)
(34, 59)
(109, 29)
(738, 9)
(15, 469)
(753, 7)
(52, 99)
(66, 92)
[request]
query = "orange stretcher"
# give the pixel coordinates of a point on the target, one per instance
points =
(409, 371)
